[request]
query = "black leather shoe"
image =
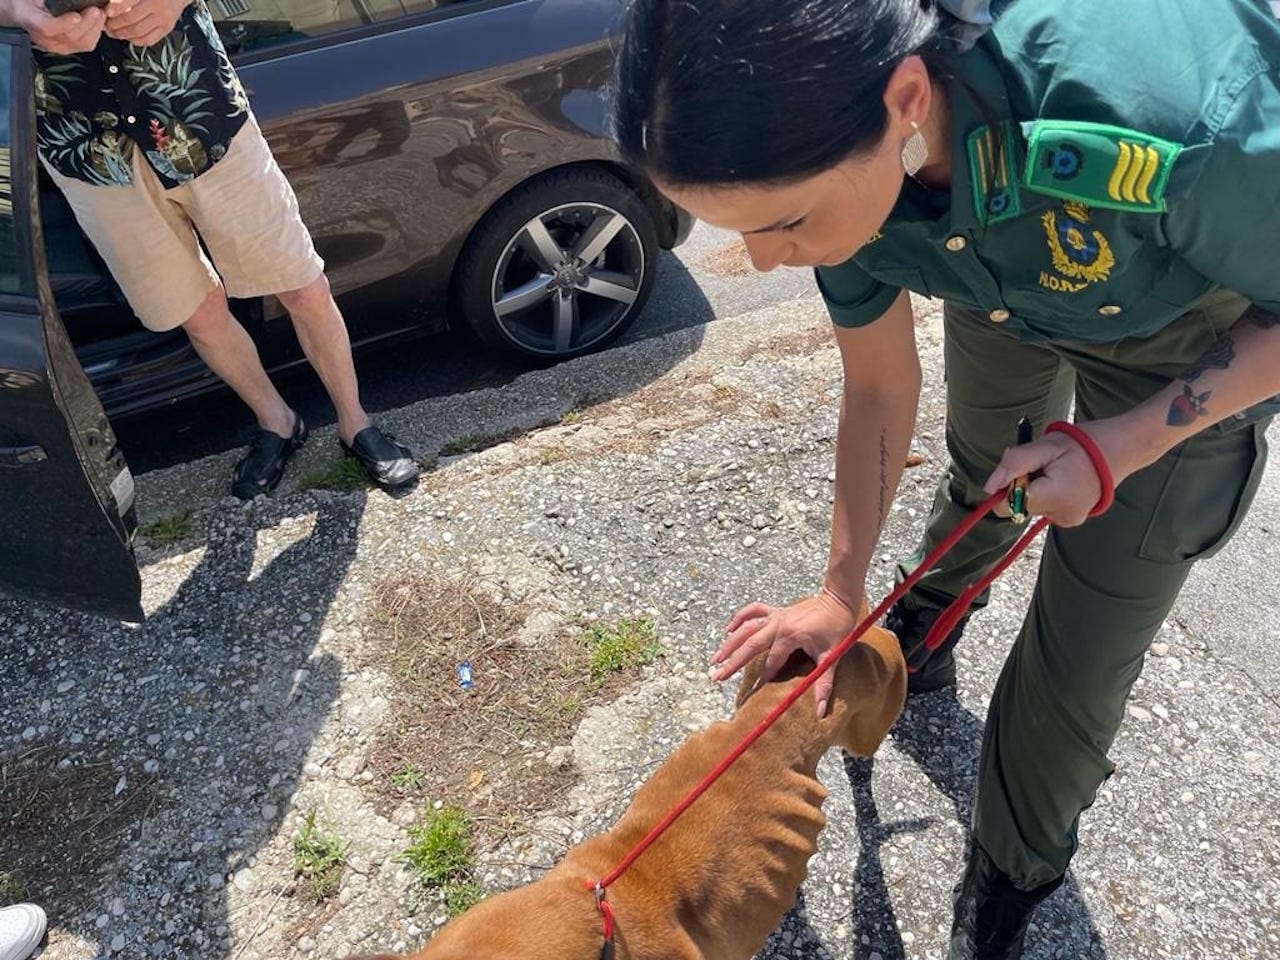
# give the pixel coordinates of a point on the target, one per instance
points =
(388, 464)
(991, 914)
(263, 466)
(927, 670)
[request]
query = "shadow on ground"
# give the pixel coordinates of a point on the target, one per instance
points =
(189, 738)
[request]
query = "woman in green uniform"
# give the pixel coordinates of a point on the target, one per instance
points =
(1093, 189)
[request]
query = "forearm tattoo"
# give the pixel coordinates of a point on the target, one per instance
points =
(884, 479)
(1261, 318)
(1190, 405)
(1217, 357)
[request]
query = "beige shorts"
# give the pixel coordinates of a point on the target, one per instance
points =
(243, 209)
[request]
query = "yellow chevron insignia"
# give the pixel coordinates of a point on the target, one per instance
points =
(1099, 165)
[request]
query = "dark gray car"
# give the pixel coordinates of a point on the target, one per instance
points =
(453, 165)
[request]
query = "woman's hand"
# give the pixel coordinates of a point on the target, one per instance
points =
(1067, 486)
(814, 625)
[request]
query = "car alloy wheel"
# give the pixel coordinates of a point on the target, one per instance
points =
(568, 279)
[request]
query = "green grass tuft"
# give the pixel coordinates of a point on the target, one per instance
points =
(166, 530)
(344, 476)
(407, 778)
(319, 858)
(12, 889)
(441, 851)
(631, 643)
(459, 897)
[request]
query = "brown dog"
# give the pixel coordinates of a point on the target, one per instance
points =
(720, 880)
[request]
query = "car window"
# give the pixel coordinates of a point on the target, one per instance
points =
(9, 280)
(252, 24)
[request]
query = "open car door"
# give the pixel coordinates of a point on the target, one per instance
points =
(66, 495)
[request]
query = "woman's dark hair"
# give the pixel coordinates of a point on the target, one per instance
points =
(760, 91)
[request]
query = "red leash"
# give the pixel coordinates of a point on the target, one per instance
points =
(960, 606)
(950, 616)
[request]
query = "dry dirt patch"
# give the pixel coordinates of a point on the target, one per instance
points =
(730, 260)
(501, 748)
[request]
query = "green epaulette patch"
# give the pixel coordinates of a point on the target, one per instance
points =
(1100, 165)
(993, 165)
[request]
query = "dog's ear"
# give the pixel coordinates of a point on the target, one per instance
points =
(873, 688)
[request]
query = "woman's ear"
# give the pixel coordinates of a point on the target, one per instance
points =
(908, 95)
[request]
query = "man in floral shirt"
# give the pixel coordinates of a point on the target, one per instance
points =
(143, 124)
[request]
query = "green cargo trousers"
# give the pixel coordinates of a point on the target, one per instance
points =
(1103, 588)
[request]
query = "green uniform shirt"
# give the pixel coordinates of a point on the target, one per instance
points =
(1138, 169)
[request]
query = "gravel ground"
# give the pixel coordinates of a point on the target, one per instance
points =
(178, 757)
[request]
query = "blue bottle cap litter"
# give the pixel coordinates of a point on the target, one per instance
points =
(463, 670)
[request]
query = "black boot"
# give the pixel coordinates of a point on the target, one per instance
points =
(991, 913)
(927, 670)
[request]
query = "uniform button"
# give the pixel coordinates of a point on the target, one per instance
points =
(131, 119)
(113, 69)
(999, 316)
(956, 244)
(1110, 310)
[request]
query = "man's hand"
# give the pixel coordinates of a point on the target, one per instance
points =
(143, 22)
(64, 35)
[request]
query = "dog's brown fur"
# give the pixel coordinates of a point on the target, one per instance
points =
(722, 878)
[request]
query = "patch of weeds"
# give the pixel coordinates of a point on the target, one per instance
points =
(319, 858)
(527, 698)
(570, 708)
(464, 444)
(631, 643)
(344, 476)
(573, 416)
(171, 529)
(441, 857)
(12, 888)
(441, 847)
(550, 455)
(408, 778)
(461, 897)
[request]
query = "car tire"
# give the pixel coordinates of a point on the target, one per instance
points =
(560, 267)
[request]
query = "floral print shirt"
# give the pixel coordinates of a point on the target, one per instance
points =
(179, 101)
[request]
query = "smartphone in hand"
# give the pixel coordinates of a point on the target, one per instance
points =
(59, 7)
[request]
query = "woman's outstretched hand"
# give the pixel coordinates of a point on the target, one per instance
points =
(814, 625)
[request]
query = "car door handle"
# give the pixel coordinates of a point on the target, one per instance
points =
(21, 456)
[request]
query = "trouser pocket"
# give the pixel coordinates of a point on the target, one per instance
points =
(1206, 494)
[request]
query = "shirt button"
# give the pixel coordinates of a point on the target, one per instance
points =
(113, 69)
(1110, 310)
(999, 316)
(956, 244)
(131, 119)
